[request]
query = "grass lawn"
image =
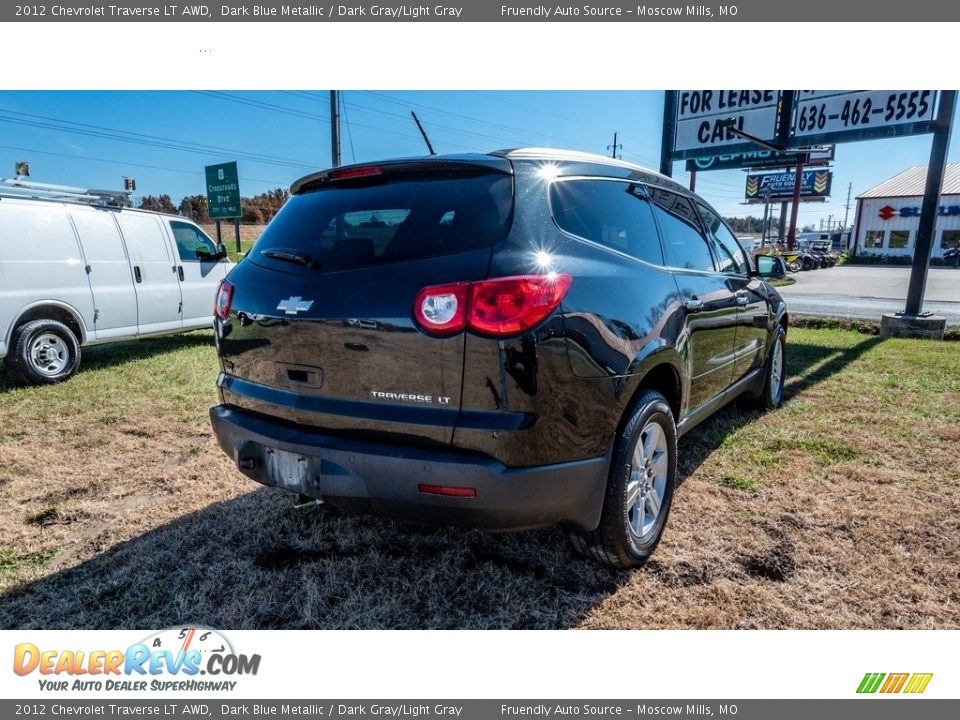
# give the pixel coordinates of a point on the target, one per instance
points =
(841, 510)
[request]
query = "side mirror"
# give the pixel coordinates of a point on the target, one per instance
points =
(770, 267)
(220, 254)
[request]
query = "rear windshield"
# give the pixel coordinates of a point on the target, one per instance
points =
(358, 225)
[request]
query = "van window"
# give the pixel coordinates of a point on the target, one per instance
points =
(394, 218)
(609, 212)
(192, 244)
(683, 244)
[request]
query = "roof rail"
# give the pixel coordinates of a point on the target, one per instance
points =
(43, 191)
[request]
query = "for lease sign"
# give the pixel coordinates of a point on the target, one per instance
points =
(704, 117)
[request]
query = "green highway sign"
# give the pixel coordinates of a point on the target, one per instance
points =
(223, 191)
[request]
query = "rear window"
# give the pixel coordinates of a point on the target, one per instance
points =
(353, 225)
(613, 213)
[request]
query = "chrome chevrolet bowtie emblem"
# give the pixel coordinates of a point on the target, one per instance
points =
(294, 305)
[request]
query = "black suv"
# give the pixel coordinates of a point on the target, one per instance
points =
(501, 341)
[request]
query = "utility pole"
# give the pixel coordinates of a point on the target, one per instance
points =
(792, 237)
(846, 215)
(669, 132)
(334, 128)
(613, 148)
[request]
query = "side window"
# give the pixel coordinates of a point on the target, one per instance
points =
(192, 244)
(612, 213)
(730, 256)
(683, 244)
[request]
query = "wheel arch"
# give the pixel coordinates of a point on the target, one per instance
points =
(49, 310)
(659, 369)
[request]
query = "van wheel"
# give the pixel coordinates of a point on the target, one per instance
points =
(43, 352)
(640, 487)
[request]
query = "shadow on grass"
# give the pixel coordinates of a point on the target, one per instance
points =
(807, 365)
(97, 357)
(831, 360)
(257, 562)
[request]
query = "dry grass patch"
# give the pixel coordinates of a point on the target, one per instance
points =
(841, 510)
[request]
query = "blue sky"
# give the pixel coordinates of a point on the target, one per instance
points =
(164, 138)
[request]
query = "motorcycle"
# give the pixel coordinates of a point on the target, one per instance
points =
(952, 254)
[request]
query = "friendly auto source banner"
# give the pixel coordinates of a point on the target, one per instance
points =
(779, 186)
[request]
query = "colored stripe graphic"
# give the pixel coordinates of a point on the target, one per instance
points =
(894, 682)
(918, 682)
(870, 682)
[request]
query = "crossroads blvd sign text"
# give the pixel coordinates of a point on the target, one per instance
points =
(223, 191)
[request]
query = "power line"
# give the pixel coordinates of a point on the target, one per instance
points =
(639, 159)
(282, 109)
(132, 164)
(262, 105)
(460, 116)
(353, 155)
(433, 125)
(106, 133)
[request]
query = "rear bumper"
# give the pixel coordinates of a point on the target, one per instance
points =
(383, 479)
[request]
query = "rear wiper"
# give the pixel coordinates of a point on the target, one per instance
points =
(291, 257)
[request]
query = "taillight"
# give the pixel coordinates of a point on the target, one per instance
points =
(352, 173)
(511, 305)
(503, 306)
(221, 308)
(442, 309)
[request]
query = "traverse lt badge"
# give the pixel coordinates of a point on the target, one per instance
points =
(294, 305)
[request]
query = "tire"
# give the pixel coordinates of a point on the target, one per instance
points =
(628, 533)
(771, 395)
(43, 352)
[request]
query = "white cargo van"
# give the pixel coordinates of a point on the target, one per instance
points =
(78, 267)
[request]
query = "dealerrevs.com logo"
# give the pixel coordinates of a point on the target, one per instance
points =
(179, 659)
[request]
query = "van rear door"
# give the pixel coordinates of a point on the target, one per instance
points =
(108, 271)
(40, 260)
(154, 273)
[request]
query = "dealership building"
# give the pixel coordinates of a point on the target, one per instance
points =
(888, 215)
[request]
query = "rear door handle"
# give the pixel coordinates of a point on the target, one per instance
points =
(180, 272)
(693, 304)
(136, 274)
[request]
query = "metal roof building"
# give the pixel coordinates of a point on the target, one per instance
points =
(888, 214)
(910, 183)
